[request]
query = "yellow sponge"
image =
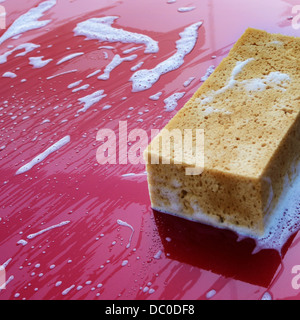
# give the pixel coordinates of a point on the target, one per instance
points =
(249, 109)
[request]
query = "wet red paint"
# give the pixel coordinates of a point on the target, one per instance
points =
(178, 259)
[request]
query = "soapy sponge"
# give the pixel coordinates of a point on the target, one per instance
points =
(249, 109)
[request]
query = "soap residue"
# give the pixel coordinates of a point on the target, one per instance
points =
(116, 61)
(9, 74)
(101, 29)
(188, 81)
(231, 83)
(41, 157)
(172, 101)
(278, 79)
(155, 96)
(33, 235)
(186, 9)
(145, 78)
(83, 87)
(38, 62)
(74, 84)
(69, 57)
(208, 73)
(90, 100)
(93, 73)
(62, 73)
(28, 47)
(28, 21)
(125, 224)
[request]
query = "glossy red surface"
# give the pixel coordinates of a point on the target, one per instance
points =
(168, 258)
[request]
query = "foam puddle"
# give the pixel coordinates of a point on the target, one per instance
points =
(28, 21)
(145, 78)
(284, 222)
(101, 29)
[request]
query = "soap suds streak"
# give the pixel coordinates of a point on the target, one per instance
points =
(90, 100)
(145, 78)
(41, 157)
(33, 235)
(83, 87)
(101, 29)
(125, 224)
(116, 61)
(28, 47)
(70, 57)
(186, 9)
(29, 21)
(74, 84)
(61, 74)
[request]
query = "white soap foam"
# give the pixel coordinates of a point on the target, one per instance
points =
(231, 83)
(124, 263)
(137, 66)
(186, 9)
(188, 81)
(116, 61)
(93, 73)
(102, 30)
(84, 87)
(283, 222)
(172, 101)
(125, 224)
(38, 62)
(91, 99)
(131, 50)
(28, 21)
(211, 294)
(6, 283)
(33, 235)
(70, 57)
(28, 47)
(277, 79)
(145, 78)
(156, 96)
(74, 84)
(158, 254)
(66, 291)
(41, 157)
(9, 74)
(61, 74)
(209, 71)
(106, 107)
